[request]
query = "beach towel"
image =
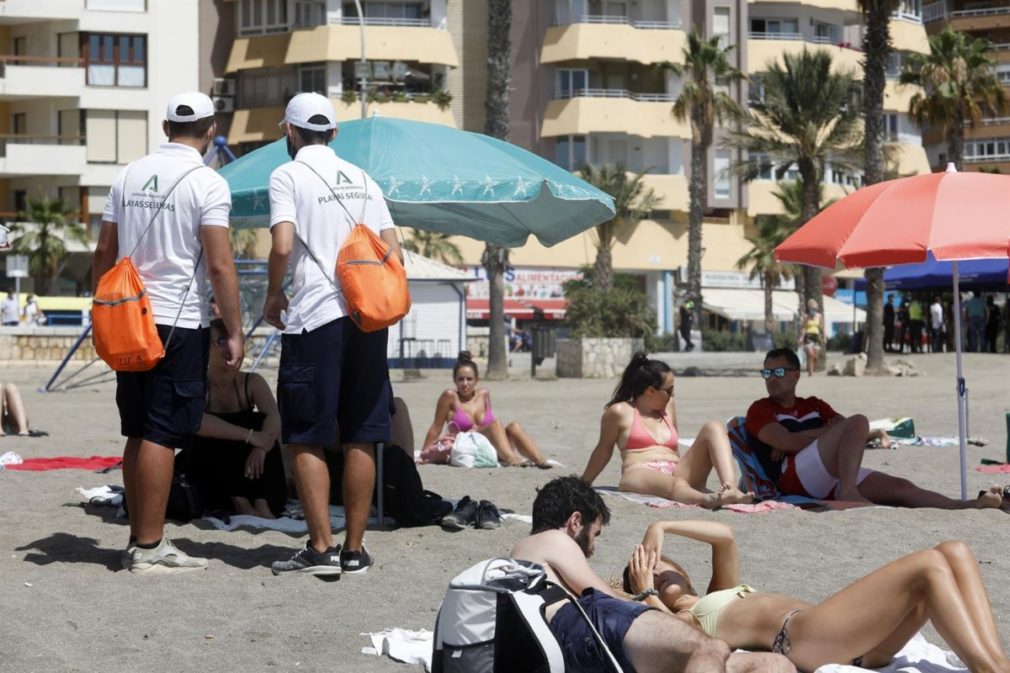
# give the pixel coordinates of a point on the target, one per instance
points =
(752, 474)
(918, 655)
(1002, 468)
(66, 463)
(663, 503)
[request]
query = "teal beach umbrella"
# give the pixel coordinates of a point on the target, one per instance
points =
(438, 178)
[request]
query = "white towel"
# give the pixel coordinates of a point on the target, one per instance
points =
(101, 495)
(918, 655)
(409, 647)
(10, 458)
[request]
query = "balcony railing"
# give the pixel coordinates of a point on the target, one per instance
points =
(938, 10)
(934, 11)
(50, 61)
(995, 121)
(800, 37)
(987, 157)
(383, 21)
(616, 93)
(22, 139)
(620, 20)
(907, 16)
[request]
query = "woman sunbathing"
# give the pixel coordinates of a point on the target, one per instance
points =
(864, 624)
(641, 420)
(468, 408)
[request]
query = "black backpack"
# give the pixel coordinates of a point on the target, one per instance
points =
(405, 498)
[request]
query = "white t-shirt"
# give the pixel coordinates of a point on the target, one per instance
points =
(936, 315)
(32, 312)
(299, 196)
(9, 310)
(167, 255)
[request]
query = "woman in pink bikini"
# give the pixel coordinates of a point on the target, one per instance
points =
(468, 408)
(641, 420)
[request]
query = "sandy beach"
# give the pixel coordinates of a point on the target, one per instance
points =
(66, 606)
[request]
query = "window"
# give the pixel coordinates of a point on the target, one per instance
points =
(826, 32)
(910, 9)
(775, 26)
(723, 186)
(115, 60)
(19, 123)
(720, 25)
(20, 200)
(387, 12)
(310, 13)
(267, 86)
(116, 136)
(1003, 73)
(312, 77)
(256, 17)
(756, 92)
(891, 126)
(764, 164)
(983, 150)
(570, 152)
(570, 83)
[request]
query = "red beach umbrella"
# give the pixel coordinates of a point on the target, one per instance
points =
(953, 215)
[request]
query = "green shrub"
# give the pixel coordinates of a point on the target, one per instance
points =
(660, 343)
(618, 312)
(723, 340)
(349, 96)
(442, 98)
(785, 339)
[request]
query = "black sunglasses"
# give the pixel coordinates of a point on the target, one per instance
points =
(779, 372)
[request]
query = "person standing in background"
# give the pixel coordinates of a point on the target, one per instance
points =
(32, 314)
(915, 325)
(9, 312)
(974, 313)
(889, 324)
(992, 321)
(686, 318)
(936, 326)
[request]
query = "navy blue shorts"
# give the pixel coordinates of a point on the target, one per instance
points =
(165, 405)
(334, 376)
(612, 618)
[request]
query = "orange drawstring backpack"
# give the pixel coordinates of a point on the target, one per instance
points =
(122, 320)
(371, 278)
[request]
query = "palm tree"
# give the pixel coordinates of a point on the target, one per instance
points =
(495, 258)
(41, 232)
(959, 84)
(770, 231)
(877, 48)
(632, 202)
(808, 118)
(434, 245)
(704, 100)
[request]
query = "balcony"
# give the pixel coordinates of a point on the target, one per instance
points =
(23, 11)
(22, 155)
(909, 36)
(761, 199)
(671, 190)
(830, 5)
(898, 97)
(23, 77)
(910, 159)
(764, 48)
(337, 42)
(613, 111)
(968, 20)
(614, 37)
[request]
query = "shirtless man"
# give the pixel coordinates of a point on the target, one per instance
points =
(810, 449)
(568, 516)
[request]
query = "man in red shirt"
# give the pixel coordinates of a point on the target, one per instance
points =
(810, 449)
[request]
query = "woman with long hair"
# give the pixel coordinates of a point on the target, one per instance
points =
(641, 421)
(864, 624)
(467, 408)
(812, 335)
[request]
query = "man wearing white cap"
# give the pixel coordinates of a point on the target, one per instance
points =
(169, 213)
(332, 375)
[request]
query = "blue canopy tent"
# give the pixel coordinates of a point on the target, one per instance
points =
(932, 274)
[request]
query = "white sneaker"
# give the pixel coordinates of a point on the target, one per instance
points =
(164, 559)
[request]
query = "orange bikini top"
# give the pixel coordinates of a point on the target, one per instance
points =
(639, 438)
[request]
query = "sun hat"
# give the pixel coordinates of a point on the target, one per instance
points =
(199, 103)
(305, 106)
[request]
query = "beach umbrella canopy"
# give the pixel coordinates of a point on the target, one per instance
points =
(438, 178)
(955, 216)
(934, 274)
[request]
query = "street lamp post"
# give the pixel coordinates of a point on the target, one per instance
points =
(364, 64)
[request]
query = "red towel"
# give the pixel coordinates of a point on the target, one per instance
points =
(994, 469)
(66, 463)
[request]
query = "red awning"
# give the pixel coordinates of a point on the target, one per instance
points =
(518, 308)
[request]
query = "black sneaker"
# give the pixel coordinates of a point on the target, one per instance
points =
(462, 516)
(308, 560)
(355, 562)
(488, 516)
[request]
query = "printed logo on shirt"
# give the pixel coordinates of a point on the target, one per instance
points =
(342, 179)
(146, 197)
(151, 185)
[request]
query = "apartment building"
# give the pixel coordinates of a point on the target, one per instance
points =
(987, 146)
(587, 89)
(83, 88)
(282, 47)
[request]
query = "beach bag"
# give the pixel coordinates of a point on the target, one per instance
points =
(472, 449)
(122, 321)
(368, 275)
(491, 621)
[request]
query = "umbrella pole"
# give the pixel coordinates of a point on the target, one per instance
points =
(962, 428)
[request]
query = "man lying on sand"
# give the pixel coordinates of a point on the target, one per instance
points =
(810, 449)
(568, 515)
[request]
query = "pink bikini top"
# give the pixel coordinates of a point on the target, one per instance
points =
(639, 438)
(464, 423)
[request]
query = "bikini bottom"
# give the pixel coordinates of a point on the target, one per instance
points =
(664, 466)
(781, 644)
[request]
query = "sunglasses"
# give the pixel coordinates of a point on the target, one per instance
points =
(778, 372)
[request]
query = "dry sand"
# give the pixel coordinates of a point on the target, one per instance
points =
(65, 605)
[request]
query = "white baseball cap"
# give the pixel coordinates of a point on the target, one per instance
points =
(305, 106)
(199, 103)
